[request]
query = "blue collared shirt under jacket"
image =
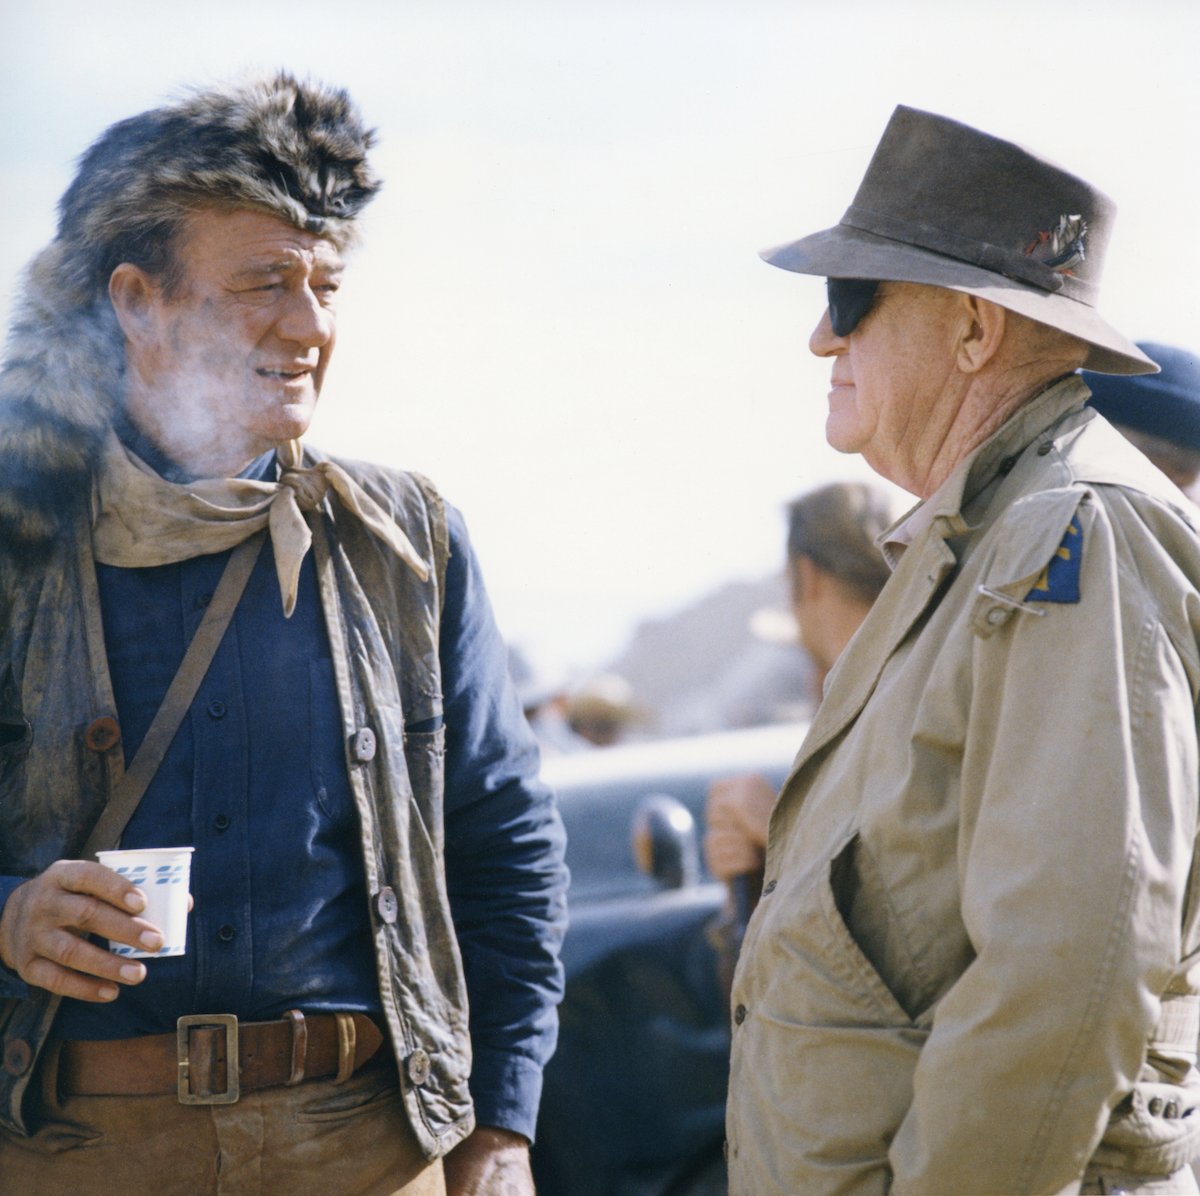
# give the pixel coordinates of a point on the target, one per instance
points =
(256, 781)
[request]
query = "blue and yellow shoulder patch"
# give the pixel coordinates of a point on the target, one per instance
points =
(1059, 580)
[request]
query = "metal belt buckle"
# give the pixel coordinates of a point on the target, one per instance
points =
(207, 1021)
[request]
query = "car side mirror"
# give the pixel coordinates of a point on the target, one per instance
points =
(666, 844)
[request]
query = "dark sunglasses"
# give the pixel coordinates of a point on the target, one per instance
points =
(849, 300)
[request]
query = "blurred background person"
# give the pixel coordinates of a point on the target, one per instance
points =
(602, 710)
(835, 572)
(1158, 413)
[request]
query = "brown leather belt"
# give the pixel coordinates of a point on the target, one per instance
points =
(212, 1058)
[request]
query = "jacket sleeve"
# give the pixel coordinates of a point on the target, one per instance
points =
(1078, 814)
(504, 856)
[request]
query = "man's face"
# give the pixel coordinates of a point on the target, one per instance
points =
(888, 376)
(234, 359)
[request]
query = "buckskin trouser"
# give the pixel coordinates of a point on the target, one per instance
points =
(318, 1138)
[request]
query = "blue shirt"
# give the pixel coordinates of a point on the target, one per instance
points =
(256, 781)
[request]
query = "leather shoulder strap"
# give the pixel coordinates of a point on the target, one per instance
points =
(129, 789)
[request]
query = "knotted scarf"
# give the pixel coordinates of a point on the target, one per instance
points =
(143, 520)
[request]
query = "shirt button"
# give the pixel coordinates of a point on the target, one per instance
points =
(417, 1066)
(221, 822)
(216, 708)
(1155, 1106)
(102, 734)
(226, 933)
(739, 1014)
(202, 600)
(386, 905)
(1171, 1111)
(363, 745)
(18, 1056)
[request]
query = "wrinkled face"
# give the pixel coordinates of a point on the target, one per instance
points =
(235, 356)
(889, 376)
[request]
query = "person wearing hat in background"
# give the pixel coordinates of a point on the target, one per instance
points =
(371, 971)
(1158, 413)
(601, 709)
(835, 572)
(972, 966)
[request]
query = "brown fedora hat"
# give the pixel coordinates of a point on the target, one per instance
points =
(946, 205)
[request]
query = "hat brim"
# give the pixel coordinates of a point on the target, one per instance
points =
(845, 252)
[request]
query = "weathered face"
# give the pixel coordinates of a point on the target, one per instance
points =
(232, 362)
(889, 378)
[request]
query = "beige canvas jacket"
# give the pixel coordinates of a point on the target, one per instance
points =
(974, 967)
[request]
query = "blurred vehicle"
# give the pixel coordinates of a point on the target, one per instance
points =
(634, 1097)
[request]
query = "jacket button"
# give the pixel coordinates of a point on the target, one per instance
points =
(1155, 1106)
(386, 905)
(363, 746)
(1171, 1111)
(18, 1055)
(417, 1066)
(739, 1014)
(103, 734)
(769, 887)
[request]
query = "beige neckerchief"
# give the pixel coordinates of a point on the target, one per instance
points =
(141, 519)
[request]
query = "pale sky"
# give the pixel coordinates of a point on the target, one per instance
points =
(558, 312)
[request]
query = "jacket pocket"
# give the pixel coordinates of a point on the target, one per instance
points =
(425, 759)
(823, 1051)
(813, 971)
(835, 897)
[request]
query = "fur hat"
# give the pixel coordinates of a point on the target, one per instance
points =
(947, 205)
(296, 150)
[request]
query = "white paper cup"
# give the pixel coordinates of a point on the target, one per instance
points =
(162, 874)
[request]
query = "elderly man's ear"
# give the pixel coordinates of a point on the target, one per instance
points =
(980, 332)
(133, 294)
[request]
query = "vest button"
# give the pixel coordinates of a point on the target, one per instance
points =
(102, 734)
(417, 1066)
(1155, 1106)
(362, 746)
(386, 905)
(18, 1056)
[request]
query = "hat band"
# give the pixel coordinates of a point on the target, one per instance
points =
(986, 256)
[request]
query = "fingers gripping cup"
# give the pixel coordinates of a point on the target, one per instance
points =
(162, 874)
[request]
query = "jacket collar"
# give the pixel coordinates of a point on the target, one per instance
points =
(984, 466)
(921, 571)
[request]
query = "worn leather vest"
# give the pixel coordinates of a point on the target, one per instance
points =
(60, 754)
